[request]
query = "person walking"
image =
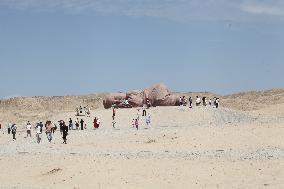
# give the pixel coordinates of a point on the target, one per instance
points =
(65, 133)
(70, 124)
(137, 124)
(148, 120)
(113, 113)
(198, 101)
(29, 128)
(144, 110)
(190, 102)
(95, 123)
(38, 133)
(9, 128)
(77, 124)
(49, 128)
(98, 122)
(217, 102)
(82, 124)
(14, 131)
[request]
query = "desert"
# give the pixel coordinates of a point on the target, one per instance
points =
(238, 145)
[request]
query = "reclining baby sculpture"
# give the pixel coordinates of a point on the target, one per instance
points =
(157, 95)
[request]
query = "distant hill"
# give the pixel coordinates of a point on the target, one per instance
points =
(36, 108)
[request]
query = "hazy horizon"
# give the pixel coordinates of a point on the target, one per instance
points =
(61, 47)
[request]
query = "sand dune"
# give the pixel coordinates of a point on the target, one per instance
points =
(201, 147)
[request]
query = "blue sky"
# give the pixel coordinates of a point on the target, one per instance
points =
(65, 47)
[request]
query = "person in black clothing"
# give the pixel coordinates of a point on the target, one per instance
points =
(41, 126)
(190, 102)
(64, 131)
(82, 124)
(70, 124)
(14, 131)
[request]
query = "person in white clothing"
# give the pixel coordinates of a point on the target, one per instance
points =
(38, 133)
(29, 128)
(198, 101)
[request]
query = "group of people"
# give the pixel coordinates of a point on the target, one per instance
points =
(204, 101)
(83, 111)
(77, 125)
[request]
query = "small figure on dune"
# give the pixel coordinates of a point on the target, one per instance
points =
(138, 113)
(198, 101)
(29, 128)
(204, 101)
(137, 124)
(217, 102)
(113, 112)
(95, 123)
(14, 131)
(190, 102)
(38, 132)
(65, 132)
(98, 122)
(148, 120)
(49, 128)
(144, 110)
(82, 124)
(113, 124)
(148, 103)
(70, 124)
(77, 124)
(9, 128)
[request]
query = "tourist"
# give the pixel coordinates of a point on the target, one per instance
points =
(137, 123)
(77, 123)
(29, 128)
(41, 126)
(144, 110)
(180, 101)
(98, 122)
(95, 123)
(70, 124)
(198, 101)
(204, 101)
(14, 131)
(61, 126)
(217, 102)
(65, 132)
(38, 133)
(82, 124)
(190, 102)
(48, 132)
(210, 102)
(113, 113)
(148, 120)
(184, 100)
(9, 128)
(214, 101)
(113, 124)
(148, 103)
(138, 113)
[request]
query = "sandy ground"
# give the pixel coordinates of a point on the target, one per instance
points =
(198, 148)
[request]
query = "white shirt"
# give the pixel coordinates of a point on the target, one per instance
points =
(29, 127)
(198, 100)
(38, 130)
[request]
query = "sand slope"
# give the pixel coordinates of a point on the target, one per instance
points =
(198, 148)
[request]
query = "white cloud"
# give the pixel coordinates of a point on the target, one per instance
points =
(177, 10)
(270, 8)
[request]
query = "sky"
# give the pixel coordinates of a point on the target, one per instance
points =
(70, 47)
